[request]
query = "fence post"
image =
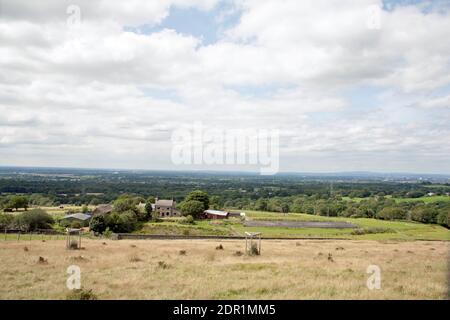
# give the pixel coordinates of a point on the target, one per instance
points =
(18, 236)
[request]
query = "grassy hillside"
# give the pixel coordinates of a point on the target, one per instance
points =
(195, 269)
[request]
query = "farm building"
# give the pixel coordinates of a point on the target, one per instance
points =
(215, 214)
(166, 208)
(82, 218)
(102, 210)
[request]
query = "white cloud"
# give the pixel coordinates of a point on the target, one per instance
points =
(286, 65)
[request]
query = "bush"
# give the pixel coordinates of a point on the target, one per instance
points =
(98, 224)
(373, 230)
(107, 233)
(6, 220)
(121, 222)
(425, 215)
(64, 223)
(187, 220)
(81, 294)
(126, 203)
(75, 224)
(391, 214)
(443, 218)
(33, 220)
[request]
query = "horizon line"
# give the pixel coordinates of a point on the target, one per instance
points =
(233, 171)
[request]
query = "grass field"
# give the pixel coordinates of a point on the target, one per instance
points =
(425, 199)
(384, 230)
(372, 229)
(286, 269)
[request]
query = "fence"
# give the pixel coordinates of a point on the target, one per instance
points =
(134, 236)
(42, 234)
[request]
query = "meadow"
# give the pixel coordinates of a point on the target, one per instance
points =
(425, 199)
(196, 269)
(367, 228)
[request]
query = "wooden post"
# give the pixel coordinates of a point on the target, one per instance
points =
(5, 234)
(259, 245)
(18, 236)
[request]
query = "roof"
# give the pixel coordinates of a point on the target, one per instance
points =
(78, 216)
(165, 203)
(216, 212)
(102, 209)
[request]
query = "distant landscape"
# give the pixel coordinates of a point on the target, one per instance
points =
(318, 233)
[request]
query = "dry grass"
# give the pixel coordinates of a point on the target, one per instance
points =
(155, 269)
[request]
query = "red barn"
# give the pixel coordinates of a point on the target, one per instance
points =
(215, 214)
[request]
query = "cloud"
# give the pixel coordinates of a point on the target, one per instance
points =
(98, 88)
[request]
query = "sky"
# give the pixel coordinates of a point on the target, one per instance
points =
(350, 85)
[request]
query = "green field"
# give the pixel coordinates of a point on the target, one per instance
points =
(425, 199)
(370, 229)
(367, 229)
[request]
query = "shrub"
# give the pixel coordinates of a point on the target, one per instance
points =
(121, 222)
(373, 230)
(443, 218)
(163, 265)
(186, 220)
(391, 213)
(76, 224)
(423, 214)
(6, 220)
(98, 224)
(33, 220)
(81, 294)
(125, 203)
(107, 233)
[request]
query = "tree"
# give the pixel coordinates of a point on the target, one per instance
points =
(85, 209)
(214, 202)
(18, 202)
(33, 220)
(192, 208)
(390, 213)
(121, 222)
(443, 218)
(148, 209)
(424, 214)
(125, 203)
(97, 223)
(6, 220)
(261, 204)
(200, 196)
